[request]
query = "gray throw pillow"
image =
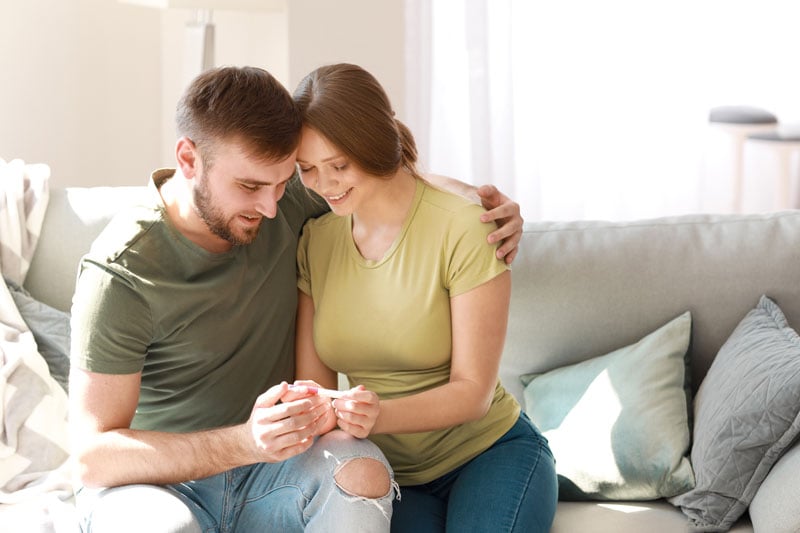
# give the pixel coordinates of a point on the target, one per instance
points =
(618, 424)
(50, 328)
(747, 412)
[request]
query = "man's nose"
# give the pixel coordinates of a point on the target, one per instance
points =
(267, 202)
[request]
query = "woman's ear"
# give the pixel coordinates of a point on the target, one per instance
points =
(187, 157)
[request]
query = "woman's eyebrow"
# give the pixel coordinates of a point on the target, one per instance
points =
(324, 160)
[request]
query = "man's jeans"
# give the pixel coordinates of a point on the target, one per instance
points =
(299, 494)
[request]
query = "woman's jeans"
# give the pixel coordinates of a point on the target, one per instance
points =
(299, 494)
(512, 486)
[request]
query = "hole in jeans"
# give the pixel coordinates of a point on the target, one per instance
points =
(364, 477)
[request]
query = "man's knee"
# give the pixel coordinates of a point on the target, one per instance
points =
(365, 477)
(138, 508)
(362, 470)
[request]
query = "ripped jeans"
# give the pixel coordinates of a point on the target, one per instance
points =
(299, 494)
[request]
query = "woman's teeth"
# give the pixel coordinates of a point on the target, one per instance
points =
(338, 197)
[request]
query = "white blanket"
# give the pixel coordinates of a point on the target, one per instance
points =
(24, 194)
(34, 472)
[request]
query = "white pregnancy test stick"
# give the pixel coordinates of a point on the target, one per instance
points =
(328, 393)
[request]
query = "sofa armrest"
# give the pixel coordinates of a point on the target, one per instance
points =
(774, 507)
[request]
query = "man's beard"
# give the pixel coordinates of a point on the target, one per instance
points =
(216, 220)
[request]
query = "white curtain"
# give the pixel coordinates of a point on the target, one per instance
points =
(582, 109)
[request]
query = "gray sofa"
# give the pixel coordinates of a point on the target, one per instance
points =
(580, 290)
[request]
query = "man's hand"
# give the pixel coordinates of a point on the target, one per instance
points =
(283, 430)
(506, 213)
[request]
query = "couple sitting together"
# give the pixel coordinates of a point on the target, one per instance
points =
(296, 240)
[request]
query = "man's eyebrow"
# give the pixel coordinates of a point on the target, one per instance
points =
(250, 181)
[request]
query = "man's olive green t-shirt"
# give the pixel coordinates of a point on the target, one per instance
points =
(208, 331)
(386, 324)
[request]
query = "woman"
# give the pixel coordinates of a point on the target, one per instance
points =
(399, 291)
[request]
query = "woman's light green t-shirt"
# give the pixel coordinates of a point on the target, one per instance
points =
(386, 324)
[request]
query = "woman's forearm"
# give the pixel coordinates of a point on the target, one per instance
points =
(455, 403)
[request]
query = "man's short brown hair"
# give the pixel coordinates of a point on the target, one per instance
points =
(243, 104)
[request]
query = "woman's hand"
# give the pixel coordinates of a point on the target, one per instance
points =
(357, 411)
(298, 390)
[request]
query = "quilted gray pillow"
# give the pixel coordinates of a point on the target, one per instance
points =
(747, 412)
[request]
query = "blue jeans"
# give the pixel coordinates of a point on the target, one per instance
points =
(299, 494)
(512, 486)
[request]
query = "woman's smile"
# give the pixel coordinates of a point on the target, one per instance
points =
(335, 199)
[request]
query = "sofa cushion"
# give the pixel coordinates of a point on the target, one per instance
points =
(51, 331)
(618, 423)
(74, 218)
(747, 411)
(621, 517)
(774, 507)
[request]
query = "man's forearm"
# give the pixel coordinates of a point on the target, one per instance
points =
(454, 186)
(126, 456)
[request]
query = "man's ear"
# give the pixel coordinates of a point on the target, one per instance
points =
(187, 157)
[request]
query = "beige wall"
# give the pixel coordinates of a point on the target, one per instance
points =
(241, 38)
(366, 32)
(80, 88)
(89, 86)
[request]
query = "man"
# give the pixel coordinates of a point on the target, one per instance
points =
(183, 341)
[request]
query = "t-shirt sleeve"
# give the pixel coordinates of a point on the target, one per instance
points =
(471, 260)
(111, 323)
(303, 274)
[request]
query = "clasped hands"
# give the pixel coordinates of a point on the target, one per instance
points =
(285, 420)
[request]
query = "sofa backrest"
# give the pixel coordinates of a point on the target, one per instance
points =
(580, 289)
(583, 289)
(74, 217)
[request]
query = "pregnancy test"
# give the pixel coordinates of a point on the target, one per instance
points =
(328, 393)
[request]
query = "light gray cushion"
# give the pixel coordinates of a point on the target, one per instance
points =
(74, 218)
(776, 506)
(746, 415)
(618, 423)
